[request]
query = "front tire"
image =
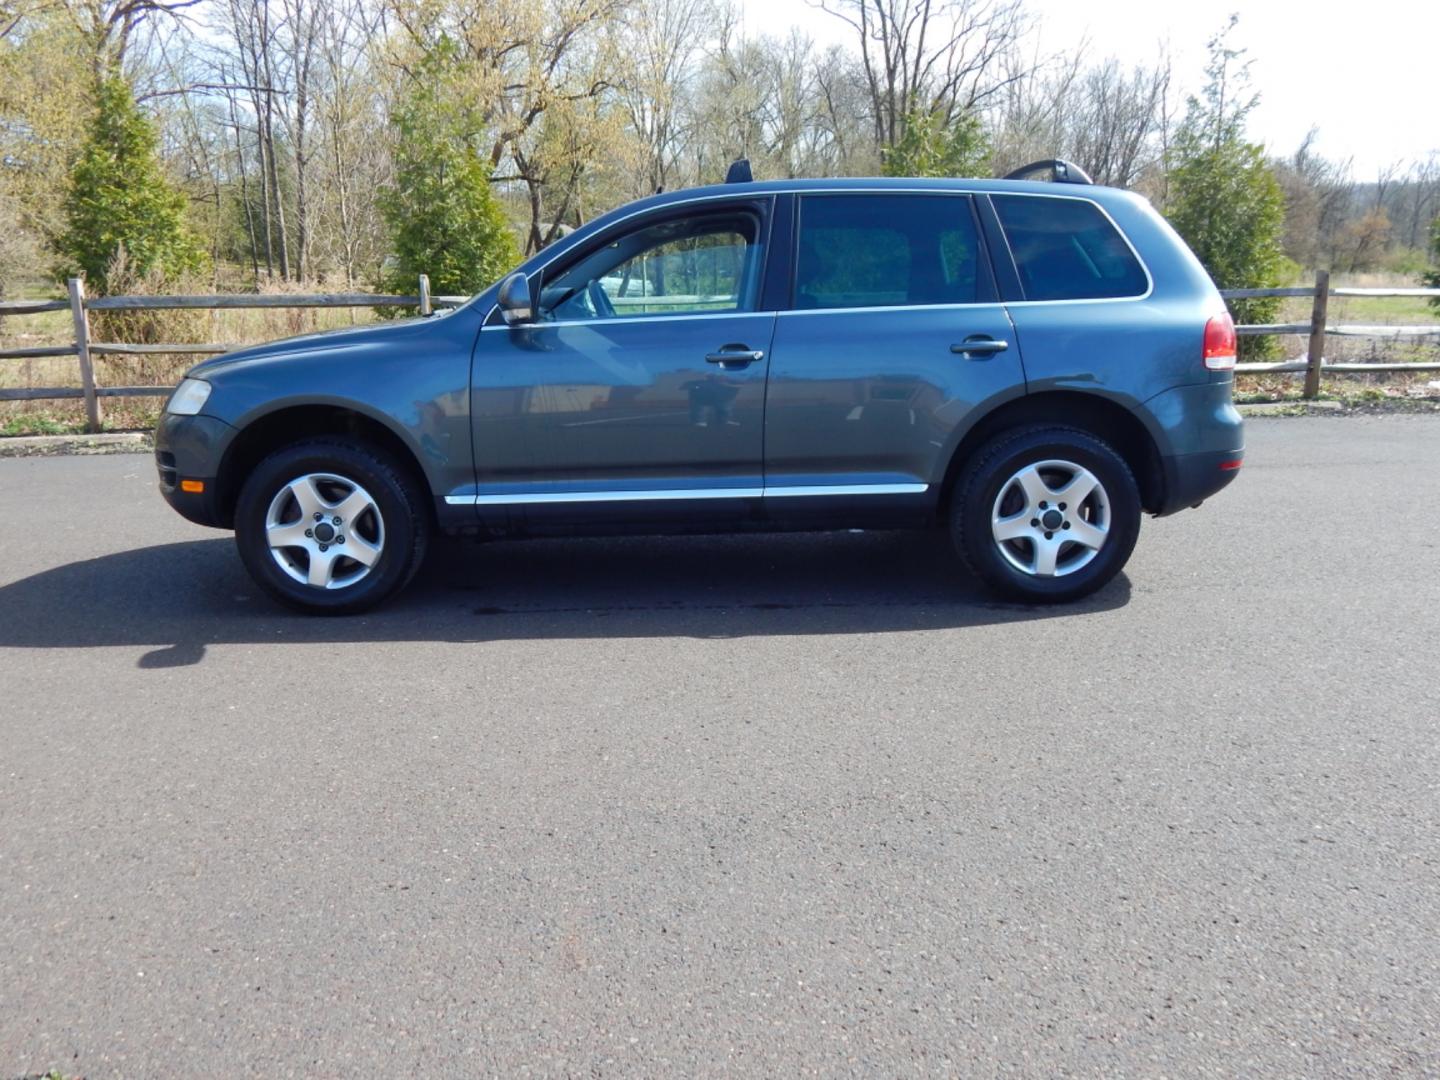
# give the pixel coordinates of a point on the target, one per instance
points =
(1046, 514)
(331, 526)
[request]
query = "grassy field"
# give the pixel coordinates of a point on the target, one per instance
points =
(1379, 310)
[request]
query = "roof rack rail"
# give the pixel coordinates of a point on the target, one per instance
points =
(1061, 172)
(739, 172)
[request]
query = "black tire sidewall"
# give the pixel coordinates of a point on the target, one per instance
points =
(394, 497)
(994, 465)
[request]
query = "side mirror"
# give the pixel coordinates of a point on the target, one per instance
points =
(515, 307)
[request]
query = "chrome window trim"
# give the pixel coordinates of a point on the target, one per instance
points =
(1149, 278)
(719, 196)
(668, 494)
(800, 193)
(892, 307)
(630, 320)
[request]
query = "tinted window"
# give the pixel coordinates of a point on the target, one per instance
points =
(1066, 249)
(884, 250)
(677, 267)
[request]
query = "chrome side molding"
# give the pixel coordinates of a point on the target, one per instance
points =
(520, 498)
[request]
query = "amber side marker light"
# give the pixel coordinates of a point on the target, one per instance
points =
(194, 487)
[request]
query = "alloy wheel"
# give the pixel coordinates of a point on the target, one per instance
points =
(324, 531)
(1051, 518)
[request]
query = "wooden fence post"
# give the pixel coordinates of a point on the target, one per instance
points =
(425, 306)
(82, 350)
(1317, 334)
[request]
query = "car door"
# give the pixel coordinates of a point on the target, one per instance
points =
(894, 341)
(639, 390)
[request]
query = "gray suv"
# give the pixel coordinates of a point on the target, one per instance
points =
(1030, 365)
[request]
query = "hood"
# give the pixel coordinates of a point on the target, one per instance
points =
(355, 340)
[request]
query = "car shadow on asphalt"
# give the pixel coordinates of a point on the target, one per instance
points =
(183, 597)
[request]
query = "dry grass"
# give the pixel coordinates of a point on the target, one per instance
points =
(231, 326)
(1355, 390)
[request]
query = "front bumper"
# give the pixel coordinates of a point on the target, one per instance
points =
(191, 448)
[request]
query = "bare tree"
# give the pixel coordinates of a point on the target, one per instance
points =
(1109, 120)
(662, 42)
(1319, 195)
(109, 26)
(352, 134)
(297, 36)
(940, 56)
(1113, 132)
(1422, 199)
(249, 25)
(842, 102)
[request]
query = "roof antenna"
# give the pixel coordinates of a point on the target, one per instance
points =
(739, 172)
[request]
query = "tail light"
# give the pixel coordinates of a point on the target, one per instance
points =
(1220, 343)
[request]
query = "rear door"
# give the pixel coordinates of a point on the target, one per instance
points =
(893, 340)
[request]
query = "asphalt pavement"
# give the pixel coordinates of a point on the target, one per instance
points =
(763, 805)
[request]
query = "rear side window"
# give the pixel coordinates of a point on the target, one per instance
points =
(1067, 249)
(886, 251)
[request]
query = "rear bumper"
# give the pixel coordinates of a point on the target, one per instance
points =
(190, 448)
(1201, 439)
(1192, 478)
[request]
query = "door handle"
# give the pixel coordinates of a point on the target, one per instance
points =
(980, 346)
(734, 356)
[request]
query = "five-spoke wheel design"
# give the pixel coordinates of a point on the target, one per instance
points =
(332, 524)
(1050, 518)
(1045, 513)
(325, 531)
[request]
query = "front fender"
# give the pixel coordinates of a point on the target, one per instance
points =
(411, 378)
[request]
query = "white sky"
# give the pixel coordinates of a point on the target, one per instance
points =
(1363, 71)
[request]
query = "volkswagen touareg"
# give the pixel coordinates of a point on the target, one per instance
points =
(1031, 365)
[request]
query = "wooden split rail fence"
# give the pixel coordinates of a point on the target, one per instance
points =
(85, 350)
(1318, 329)
(1312, 367)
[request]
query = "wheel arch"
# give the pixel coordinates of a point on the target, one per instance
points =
(293, 423)
(1099, 416)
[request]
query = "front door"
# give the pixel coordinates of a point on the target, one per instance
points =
(639, 391)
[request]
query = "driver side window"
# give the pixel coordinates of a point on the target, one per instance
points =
(685, 266)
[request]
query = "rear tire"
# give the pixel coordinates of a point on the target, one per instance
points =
(1045, 514)
(331, 526)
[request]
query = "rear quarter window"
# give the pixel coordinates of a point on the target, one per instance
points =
(1067, 249)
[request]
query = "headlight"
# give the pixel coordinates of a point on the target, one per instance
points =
(189, 397)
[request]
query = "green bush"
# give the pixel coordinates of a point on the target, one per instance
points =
(1224, 197)
(443, 216)
(932, 147)
(120, 204)
(1431, 278)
